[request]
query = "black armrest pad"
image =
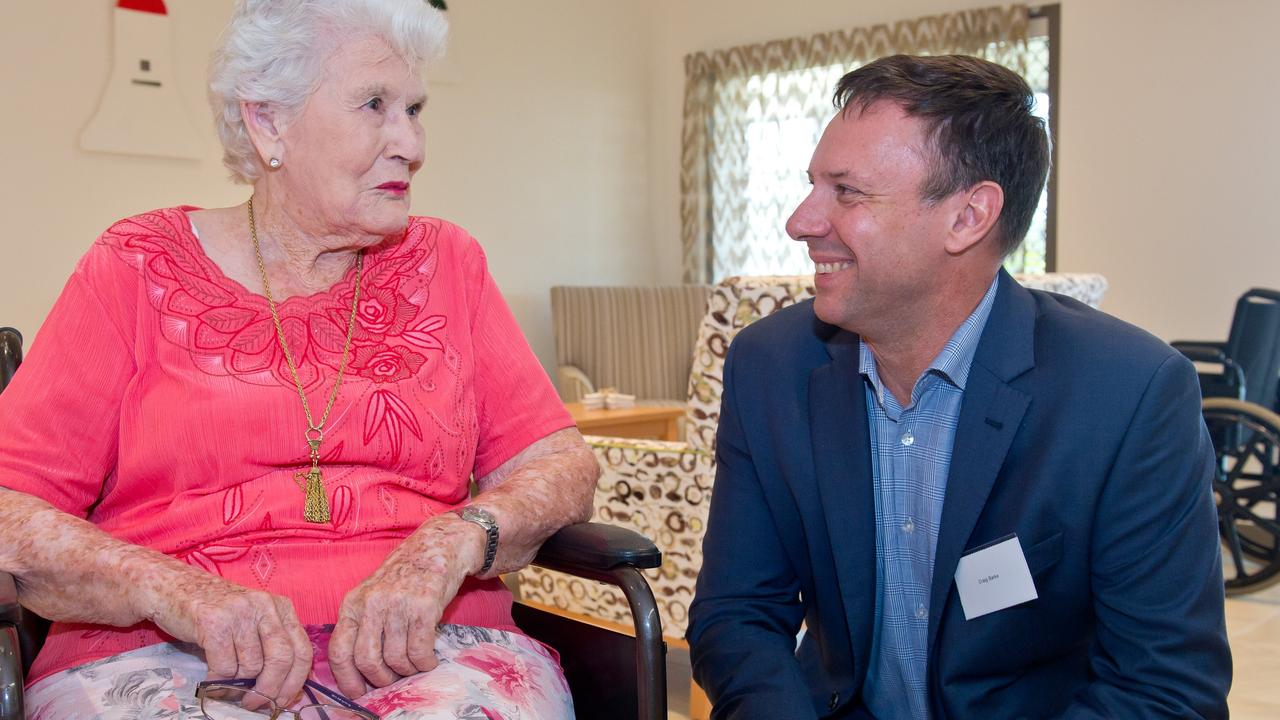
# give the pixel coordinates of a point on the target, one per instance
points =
(1217, 344)
(11, 339)
(596, 546)
(10, 612)
(1210, 352)
(10, 354)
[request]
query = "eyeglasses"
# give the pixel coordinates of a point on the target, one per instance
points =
(237, 700)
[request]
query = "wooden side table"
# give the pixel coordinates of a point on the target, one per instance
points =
(656, 423)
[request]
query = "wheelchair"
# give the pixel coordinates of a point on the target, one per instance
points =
(1242, 411)
(610, 674)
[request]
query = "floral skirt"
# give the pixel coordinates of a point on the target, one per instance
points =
(484, 674)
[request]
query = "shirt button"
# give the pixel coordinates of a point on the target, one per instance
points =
(835, 701)
(921, 611)
(908, 439)
(908, 526)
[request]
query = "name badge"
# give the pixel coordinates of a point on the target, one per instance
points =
(994, 578)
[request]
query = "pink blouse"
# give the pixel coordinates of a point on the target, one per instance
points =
(158, 405)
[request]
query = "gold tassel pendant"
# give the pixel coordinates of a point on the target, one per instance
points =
(316, 509)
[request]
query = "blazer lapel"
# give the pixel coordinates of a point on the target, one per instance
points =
(842, 463)
(989, 418)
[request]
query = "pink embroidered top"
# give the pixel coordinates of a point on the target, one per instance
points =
(157, 404)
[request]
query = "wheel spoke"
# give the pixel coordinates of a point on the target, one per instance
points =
(1254, 494)
(1262, 453)
(1237, 553)
(1236, 470)
(1267, 524)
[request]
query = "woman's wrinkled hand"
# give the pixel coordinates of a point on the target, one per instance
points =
(244, 633)
(386, 627)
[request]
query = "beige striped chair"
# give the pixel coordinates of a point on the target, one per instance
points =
(638, 340)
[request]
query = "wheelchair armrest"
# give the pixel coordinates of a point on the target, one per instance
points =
(597, 547)
(10, 612)
(1202, 350)
(12, 706)
(1215, 353)
(11, 340)
(615, 555)
(10, 354)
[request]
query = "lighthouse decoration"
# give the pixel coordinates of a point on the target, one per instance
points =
(141, 112)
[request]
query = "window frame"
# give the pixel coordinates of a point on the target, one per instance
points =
(1052, 15)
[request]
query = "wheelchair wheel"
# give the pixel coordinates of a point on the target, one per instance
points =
(1246, 485)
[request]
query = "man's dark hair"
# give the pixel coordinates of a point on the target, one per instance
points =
(977, 118)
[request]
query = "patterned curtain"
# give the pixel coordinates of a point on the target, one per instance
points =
(753, 114)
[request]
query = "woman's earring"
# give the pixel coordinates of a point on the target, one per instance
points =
(274, 163)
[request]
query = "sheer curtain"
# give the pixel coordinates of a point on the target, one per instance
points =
(753, 114)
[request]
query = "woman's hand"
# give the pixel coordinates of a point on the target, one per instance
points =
(386, 627)
(244, 633)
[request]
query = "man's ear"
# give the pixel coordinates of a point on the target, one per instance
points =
(976, 216)
(264, 126)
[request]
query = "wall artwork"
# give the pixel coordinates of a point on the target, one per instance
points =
(141, 112)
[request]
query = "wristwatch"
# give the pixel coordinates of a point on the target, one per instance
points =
(484, 519)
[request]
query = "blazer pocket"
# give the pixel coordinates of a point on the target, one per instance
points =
(1044, 554)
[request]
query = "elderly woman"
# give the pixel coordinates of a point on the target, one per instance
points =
(241, 449)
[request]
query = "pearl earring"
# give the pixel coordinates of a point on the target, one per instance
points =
(275, 163)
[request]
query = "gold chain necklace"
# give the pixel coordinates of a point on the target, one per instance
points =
(316, 507)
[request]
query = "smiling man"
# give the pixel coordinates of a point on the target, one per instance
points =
(981, 501)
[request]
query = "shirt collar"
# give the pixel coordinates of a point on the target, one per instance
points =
(956, 357)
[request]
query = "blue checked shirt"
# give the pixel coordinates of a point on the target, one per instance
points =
(910, 459)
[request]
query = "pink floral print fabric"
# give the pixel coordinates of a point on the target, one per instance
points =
(484, 674)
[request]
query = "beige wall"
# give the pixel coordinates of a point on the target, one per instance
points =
(554, 137)
(1168, 149)
(56, 199)
(537, 143)
(541, 146)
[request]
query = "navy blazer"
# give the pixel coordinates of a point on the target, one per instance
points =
(1078, 432)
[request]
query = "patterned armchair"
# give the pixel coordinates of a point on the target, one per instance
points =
(663, 489)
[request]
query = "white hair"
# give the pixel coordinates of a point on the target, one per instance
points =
(273, 52)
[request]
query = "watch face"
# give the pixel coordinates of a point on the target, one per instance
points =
(478, 515)
(490, 526)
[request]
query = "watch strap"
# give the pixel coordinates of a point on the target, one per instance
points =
(490, 526)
